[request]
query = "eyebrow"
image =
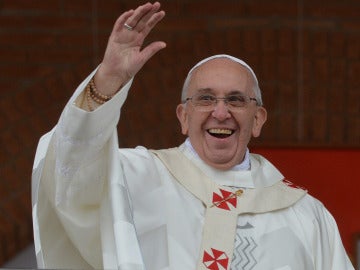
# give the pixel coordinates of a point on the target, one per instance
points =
(205, 90)
(210, 90)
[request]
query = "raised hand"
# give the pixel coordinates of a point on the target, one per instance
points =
(124, 55)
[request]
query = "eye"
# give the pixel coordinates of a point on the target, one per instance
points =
(236, 100)
(206, 97)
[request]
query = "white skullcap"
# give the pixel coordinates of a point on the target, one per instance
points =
(241, 62)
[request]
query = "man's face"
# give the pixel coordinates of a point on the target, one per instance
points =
(220, 136)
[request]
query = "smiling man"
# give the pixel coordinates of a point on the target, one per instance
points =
(221, 128)
(207, 204)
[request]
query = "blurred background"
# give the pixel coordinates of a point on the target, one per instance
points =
(306, 54)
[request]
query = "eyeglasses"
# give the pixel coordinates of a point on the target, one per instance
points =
(206, 102)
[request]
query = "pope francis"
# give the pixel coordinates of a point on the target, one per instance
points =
(206, 204)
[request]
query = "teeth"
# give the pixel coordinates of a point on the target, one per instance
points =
(220, 131)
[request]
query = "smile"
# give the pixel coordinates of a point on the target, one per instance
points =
(220, 132)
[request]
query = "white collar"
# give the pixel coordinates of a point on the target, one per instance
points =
(261, 174)
(238, 176)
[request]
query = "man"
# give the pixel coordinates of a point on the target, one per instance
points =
(207, 204)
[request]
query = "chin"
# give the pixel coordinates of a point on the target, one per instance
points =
(223, 166)
(225, 158)
(221, 162)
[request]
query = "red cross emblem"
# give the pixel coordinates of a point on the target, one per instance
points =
(215, 260)
(226, 199)
(291, 184)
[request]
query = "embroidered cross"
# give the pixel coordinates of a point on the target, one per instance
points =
(226, 199)
(215, 260)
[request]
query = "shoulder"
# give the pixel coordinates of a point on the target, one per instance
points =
(139, 152)
(143, 160)
(310, 204)
(143, 153)
(313, 209)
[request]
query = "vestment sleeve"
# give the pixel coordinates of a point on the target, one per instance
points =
(330, 252)
(75, 183)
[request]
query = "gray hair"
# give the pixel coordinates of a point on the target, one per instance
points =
(256, 88)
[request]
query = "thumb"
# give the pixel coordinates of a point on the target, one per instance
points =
(150, 50)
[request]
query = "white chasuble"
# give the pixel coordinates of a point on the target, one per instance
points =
(224, 205)
(101, 207)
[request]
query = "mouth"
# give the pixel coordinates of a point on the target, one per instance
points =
(220, 133)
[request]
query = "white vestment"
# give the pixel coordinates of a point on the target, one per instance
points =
(95, 206)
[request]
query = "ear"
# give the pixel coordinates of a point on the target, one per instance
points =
(183, 118)
(259, 121)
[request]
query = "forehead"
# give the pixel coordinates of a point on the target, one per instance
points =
(221, 75)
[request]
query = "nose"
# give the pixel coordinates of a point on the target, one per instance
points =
(221, 110)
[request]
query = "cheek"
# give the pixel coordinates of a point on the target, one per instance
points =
(195, 123)
(246, 126)
(246, 132)
(190, 125)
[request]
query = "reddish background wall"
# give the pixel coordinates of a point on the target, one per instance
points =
(330, 175)
(306, 54)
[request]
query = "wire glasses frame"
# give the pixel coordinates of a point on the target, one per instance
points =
(207, 102)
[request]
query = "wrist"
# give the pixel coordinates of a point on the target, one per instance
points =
(93, 98)
(108, 84)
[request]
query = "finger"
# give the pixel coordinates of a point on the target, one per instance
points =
(119, 24)
(144, 20)
(138, 14)
(157, 17)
